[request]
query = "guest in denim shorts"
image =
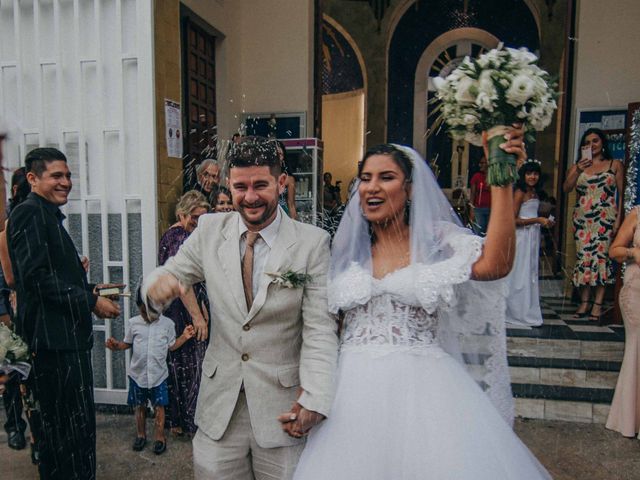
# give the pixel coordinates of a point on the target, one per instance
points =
(150, 341)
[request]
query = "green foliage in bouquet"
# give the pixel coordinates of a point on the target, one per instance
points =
(499, 88)
(12, 347)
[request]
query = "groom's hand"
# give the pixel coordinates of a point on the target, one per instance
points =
(299, 421)
(164, 289)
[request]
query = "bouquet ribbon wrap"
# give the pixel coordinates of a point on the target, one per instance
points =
(502, 169)
(22, 368)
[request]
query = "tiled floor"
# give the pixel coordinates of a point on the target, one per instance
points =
(567, 368)
(558, 323)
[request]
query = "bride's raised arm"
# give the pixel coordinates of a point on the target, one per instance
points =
(498, 252)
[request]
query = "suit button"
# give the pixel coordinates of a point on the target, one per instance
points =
(246, 327)
(245, 357)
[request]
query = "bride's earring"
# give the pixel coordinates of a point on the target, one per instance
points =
(407, 211)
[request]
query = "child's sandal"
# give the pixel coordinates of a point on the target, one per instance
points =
(139, 443)
(159, 447)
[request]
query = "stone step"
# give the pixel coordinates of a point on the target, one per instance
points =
(566, 363)
(562, 393)
(608, 351)
(565, 369)
(563, 377)
(567, 411)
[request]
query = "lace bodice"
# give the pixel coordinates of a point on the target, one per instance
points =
(385, 323)
(392, 318)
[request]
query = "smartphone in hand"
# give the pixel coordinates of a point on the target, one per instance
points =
(110, 290)
(586, 153)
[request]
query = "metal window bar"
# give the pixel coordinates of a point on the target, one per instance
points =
(38, 125)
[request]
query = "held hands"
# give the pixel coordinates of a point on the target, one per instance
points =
(299, 421)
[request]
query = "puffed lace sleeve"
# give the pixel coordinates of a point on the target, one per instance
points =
(349, 289)
(434, 283)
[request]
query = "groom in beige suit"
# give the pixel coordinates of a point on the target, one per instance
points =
(269, 369)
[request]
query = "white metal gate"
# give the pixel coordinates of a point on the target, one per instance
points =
(78, 75)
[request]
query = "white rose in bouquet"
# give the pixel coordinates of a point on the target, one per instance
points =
(484, 101)
(501, 87)
(520, 90)
(20, 350)
(464, 91)
(522, 56)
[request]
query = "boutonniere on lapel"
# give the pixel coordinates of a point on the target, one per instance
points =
(290, 279)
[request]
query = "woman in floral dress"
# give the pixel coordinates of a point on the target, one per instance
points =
(596, 219)
(185, 364)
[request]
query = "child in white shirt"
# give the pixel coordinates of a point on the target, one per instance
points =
(149, 341)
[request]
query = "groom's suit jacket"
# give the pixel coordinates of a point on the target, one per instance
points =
(286, 340)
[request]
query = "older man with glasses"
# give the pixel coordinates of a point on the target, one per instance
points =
(208, 173)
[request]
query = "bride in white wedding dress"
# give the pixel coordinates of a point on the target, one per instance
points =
(422, 386)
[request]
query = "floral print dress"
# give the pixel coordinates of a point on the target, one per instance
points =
(593, 219)
(185, 364)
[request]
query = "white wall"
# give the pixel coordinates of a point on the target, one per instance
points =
(606, 74)
(607, 69)
(78, 76)
(264, 58)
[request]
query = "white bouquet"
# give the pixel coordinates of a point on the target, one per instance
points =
(501, 87)
(14, 352)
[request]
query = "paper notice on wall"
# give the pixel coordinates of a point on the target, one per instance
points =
(173, 122)
(613, 122)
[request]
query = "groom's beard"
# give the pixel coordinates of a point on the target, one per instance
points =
(269, 212)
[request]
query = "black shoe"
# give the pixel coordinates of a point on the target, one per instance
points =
(159, 447)
(35, 454)
(139, 444)
(16, 440)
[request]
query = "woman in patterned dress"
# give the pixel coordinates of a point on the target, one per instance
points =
(185, 364)
(596, 219)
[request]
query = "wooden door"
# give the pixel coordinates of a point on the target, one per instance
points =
(199, 82)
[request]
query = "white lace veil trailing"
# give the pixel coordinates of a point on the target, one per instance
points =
(471, 314)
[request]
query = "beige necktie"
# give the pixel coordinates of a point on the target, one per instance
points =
(247, 267)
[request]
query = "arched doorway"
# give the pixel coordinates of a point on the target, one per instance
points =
(453, 162)
(343, 103)
(421, 23)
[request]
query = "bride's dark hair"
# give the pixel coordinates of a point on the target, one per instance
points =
(395, 153)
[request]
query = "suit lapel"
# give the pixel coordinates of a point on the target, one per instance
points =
(229, 255)
(277, 262)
